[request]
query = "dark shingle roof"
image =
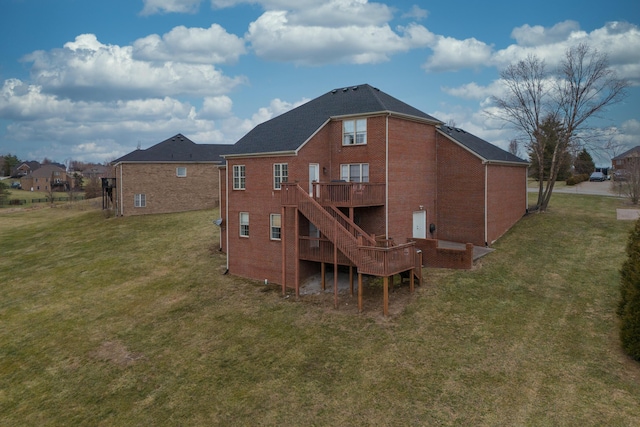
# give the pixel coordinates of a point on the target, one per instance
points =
(178, 148)
(482, 148)
(290, 130)
(628, 153)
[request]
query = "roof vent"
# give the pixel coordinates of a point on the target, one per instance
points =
(355, 88)
(345, 89)
(334, 91)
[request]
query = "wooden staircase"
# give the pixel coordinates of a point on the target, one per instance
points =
(358, 246)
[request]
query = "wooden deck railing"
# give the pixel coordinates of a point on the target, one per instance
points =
(359, 250)
(349, 194)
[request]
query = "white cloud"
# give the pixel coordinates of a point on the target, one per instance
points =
(169, 6)
(214, 107)
(88, 69)
(211, 45)
(416, 12)
(274, 37)
(450, 54)
(537, 35)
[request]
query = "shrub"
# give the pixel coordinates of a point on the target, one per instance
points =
(629, 306)
(577, 179)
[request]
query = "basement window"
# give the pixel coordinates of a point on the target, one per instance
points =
(140, 200)
(181, 172)
(276, 226)
(244, 224)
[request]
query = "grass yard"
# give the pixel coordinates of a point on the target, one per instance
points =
(130, 321)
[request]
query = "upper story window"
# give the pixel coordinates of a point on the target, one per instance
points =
(238, 177)
(280, 174)
(355, 172)
(354, 132)
(181, 172)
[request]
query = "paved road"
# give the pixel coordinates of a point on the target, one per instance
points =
(605, 188)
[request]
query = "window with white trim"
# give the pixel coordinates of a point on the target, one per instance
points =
(140, 200)
(244, 224)
(181, 171)
(276, 226)
(280, 174)
(355, 172)
(238, 177)
(354, 132)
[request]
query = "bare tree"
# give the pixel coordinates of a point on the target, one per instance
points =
(514, 147)
(629, 186)
(583, 86)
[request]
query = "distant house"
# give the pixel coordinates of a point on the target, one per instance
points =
(172, 176)
(97, 171)
(625, 161)
(24, 169)
(45, 178)
(358, 178)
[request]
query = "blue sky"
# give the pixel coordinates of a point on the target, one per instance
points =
(92, 80)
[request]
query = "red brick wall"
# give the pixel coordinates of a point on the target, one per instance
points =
(460, 211)
(412, 175)
(507, 198)
(164, 191)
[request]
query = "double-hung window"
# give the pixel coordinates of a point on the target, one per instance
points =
(355, 172)
(354, 132)
(276, 226)
(280, 174)
(140, 200)
(238, 177)
(181, 172)
(244, 224)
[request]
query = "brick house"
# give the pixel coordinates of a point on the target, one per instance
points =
(355, 178)
(174, 175)
(45, 178)
(624, 163)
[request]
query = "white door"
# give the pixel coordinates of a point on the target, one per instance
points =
(314, 176)
(420, 225)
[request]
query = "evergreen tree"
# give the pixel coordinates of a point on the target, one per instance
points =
(584, 163)
(550, 133)
(629, 306)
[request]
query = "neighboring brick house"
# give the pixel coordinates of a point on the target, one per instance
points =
(45, 178)
(625, 161)
(173, 176)
(354, 178)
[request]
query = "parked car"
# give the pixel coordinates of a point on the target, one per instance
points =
(16, 185)
(620, 175)
(597, 176)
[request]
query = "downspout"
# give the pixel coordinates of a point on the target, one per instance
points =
(486, 204)
(226, 208)
(121, 190)
(386, 178)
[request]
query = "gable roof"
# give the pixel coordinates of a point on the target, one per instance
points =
(481, 148)
(45, 171)
(634, 152)
(178, 148)
(289, 131)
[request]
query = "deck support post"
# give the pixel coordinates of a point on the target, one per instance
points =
(359, 292)
(335, 271)
(323, 275)
(351, 280)
(385, 306)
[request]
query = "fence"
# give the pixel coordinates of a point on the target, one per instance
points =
(18, 202)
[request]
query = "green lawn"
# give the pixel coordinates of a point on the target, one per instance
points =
(130, 321)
